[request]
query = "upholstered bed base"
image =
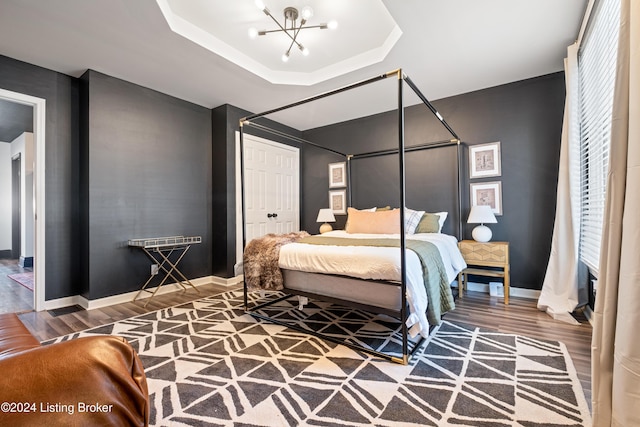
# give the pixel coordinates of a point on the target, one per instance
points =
(373, 294)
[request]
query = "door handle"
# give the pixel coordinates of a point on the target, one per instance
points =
(272, 215)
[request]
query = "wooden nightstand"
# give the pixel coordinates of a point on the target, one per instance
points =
(490, 254)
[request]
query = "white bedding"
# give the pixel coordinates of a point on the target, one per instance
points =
(379, 263)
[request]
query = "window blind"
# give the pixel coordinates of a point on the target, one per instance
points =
(596, 80)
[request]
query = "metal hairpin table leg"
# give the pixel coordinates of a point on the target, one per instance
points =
(164, 279)
(155, 249)
(174, 268)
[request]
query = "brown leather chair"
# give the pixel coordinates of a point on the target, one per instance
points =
(91, 381)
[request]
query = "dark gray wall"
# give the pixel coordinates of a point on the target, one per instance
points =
(148, 162)
(223, 193)
(526, 117)
(61, 140)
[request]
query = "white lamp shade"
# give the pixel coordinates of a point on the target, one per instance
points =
(326, 215)
(481, 215)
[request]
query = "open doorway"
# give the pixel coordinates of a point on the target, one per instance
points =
(21, 202)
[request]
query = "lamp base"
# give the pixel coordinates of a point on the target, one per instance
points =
(325, 228)
(481, 234)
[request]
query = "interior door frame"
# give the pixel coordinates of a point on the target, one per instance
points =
(239, 248)
(39, 122)
(16, 207)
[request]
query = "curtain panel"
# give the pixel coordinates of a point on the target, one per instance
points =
(559, 295)
(615, 345)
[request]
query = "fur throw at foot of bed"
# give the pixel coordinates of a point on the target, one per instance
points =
(260, 260)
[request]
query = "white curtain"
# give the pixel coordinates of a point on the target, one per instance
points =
(559, 295)
(615, 349)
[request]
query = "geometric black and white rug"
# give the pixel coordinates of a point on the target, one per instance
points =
(210, 364)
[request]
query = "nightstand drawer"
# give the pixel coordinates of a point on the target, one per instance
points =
(492, 254)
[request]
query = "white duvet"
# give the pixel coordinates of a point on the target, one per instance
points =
(379, 263)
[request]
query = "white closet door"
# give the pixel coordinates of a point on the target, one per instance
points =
(272, 197)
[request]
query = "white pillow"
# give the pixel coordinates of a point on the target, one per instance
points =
(442, 217)
(412, 219)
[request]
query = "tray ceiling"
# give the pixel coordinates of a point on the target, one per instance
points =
(366, 33)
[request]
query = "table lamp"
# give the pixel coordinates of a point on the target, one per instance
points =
(325, 216)
(481, 215)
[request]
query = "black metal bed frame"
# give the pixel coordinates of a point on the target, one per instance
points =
(400, 150)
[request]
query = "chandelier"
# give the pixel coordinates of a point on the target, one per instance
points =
(291, 27)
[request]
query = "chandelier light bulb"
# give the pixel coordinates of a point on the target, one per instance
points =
(260, 4)
(304, 50)
(332, 25)
(253, 33)
(307, 12)
(285, 57)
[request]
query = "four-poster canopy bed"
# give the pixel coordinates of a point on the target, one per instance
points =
(416, 280)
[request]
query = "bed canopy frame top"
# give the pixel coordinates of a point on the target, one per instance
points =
(400, 151)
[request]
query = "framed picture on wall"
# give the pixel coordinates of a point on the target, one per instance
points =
(484, 160)
(337, 175)
(487, 193)
(338, 201)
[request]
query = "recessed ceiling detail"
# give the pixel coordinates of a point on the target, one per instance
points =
(223, 28)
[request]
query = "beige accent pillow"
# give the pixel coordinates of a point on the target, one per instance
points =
(429, 224)
(379, 222)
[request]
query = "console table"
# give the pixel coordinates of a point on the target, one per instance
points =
(159, 250)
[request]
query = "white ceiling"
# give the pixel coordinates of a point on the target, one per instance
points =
(446, 47)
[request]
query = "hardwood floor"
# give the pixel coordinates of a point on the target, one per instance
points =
(521, 317)
(14, 298)
(45, 325)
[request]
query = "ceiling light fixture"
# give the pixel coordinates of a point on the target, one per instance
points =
(291, 27)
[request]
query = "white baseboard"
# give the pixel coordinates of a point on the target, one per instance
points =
(128, 297)
(513, 292)
(227, 282)
(63, 302)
